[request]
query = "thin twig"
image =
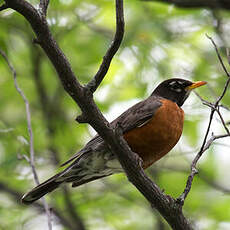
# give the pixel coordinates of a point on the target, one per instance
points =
(97, 79)
(224, 91)
(224, 107)
(216, 108)
(29, 126)
(228, 55)
(43, 6)
(218, 54)
(207, 143)
(202, 175)
(222, 121)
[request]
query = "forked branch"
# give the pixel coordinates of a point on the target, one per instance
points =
(207, 142)
(43, 6)
(120, 24)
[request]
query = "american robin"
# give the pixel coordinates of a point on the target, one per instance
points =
(151, 128)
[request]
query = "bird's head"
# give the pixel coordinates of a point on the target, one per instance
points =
(176, 89)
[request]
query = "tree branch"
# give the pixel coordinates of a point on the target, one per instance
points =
(165, 204)
(207, 143)
(16, 195)
(217, 109)
(31, 141)
(43, 6)
(130, 162)
(202, 175)
(212, 4)
(96, 81)
(221, 62)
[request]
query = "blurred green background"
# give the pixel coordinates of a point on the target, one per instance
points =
(161, 41)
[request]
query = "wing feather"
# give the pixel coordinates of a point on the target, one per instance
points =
(136, 116)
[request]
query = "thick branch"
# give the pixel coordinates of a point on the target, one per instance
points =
(164, 204)
(82, 96)
(212, 4)
(49, 45)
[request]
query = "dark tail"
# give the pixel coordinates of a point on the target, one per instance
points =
(72, 174)
(51, 184)
(41, 190)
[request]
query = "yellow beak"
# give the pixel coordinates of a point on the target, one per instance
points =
(196, 85)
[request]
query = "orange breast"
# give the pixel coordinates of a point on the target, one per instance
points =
(158, 136)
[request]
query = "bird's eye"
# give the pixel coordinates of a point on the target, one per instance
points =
(175, 86)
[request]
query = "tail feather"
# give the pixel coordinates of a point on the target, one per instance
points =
(84, 181)
(41, 190)
(77, 173)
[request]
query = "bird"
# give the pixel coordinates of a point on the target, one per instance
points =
(151, 128)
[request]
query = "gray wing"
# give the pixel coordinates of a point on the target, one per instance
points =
(135, 116)
(138, 114)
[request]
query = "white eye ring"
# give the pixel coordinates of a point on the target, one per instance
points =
(178, 90)
(173, 88)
